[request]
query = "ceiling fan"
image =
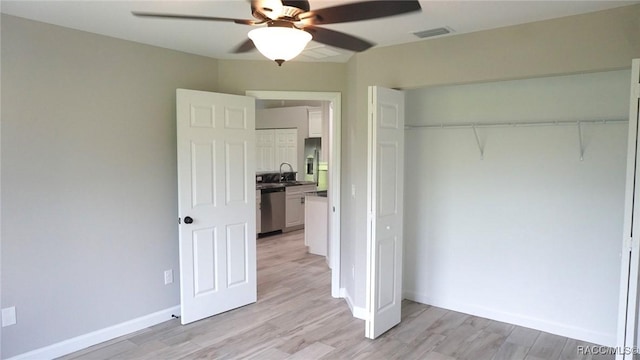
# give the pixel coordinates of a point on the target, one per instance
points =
(288, 25)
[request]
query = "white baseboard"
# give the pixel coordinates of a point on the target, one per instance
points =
(556, 328)
(358, 312)
(96, 337)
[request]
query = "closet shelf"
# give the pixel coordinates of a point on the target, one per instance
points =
(514, 124)
(475, 125)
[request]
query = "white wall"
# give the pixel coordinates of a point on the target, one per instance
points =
(530, 235)
(89, 192)
(326, 111)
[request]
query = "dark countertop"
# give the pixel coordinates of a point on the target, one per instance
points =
(316, 193)
(260, 186)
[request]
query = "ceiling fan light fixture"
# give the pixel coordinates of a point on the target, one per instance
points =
(279, 43)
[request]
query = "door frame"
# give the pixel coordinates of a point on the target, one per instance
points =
(627, 336)
(335, 133)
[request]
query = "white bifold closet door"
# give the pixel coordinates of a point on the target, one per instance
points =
(385, 189)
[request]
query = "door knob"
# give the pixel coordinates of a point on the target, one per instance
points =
(188, 220)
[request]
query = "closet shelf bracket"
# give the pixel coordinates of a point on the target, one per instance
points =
(480, 148)
(581, 140)
(474, 126)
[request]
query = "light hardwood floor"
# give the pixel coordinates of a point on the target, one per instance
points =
(296, 318)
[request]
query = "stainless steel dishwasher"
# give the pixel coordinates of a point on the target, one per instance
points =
(272, 209)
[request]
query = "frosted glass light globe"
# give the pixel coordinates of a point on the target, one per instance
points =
(279, 43)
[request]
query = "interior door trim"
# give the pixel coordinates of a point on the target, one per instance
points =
(335, 134)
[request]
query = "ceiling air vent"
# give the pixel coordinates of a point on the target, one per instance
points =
(319, 52)
(433, 32)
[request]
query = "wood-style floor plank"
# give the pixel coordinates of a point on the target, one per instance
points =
(511, 351)
(548, 346)
(295, 317)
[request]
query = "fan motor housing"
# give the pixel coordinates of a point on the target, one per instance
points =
(290, 9)
(293, 8)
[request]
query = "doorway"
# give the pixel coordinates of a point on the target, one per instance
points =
(333, 196)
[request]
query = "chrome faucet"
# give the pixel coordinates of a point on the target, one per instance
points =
(290, 168)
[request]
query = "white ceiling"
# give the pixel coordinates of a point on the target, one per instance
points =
(214, 39)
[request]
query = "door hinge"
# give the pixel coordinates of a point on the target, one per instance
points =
(628, 243)
(179, 221)
(636, 91)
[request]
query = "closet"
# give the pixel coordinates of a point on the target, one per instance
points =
(517, 200)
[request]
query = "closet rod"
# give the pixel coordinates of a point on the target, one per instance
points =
(515, 124)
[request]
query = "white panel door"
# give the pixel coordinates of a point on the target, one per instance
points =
(630, 275)
(265, 150)
(216, 189)
(385, 201)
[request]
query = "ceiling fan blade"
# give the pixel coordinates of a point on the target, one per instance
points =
(338, 39)
(246, 46)
(364, 10)
(193, 17)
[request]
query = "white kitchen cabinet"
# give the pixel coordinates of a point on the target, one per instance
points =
(275, 146)
(315, 122)
(265, 150)
(315, 225)
(286, 148)
(294, 211)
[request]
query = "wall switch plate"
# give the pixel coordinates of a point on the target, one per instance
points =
(168, 277)
(9, 316)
